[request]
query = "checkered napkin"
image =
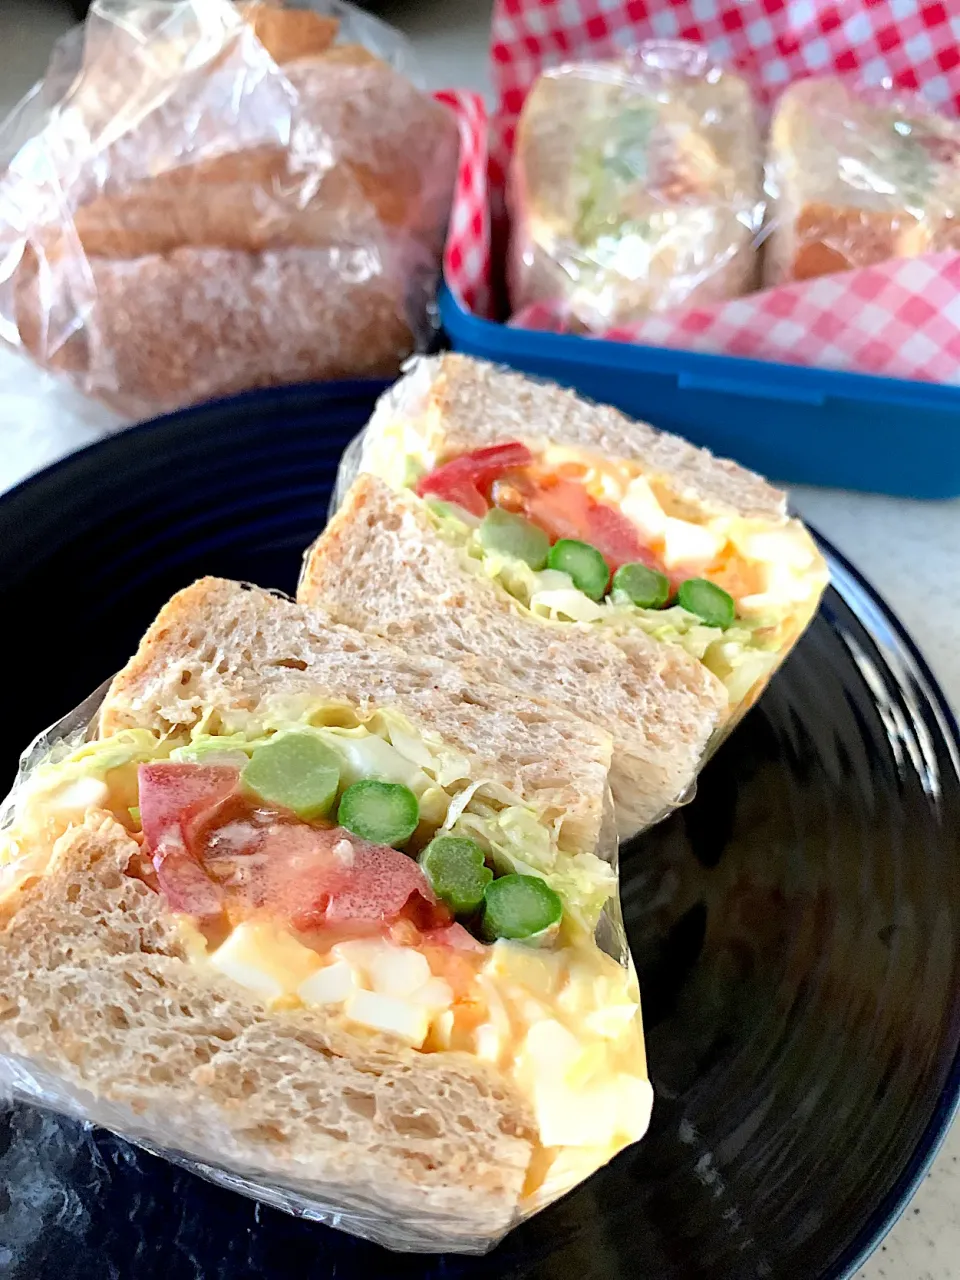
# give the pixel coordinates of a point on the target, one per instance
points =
(901, 318)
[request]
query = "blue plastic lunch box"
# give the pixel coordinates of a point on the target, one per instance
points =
(793, 424)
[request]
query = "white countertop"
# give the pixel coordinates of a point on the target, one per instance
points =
(910, 551)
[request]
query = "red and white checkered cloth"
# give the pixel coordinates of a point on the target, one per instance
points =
(901, 318)
(466, 255)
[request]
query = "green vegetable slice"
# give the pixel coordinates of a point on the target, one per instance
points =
(455, 868)
(585, 565)
(645, 587)
(295, 771)
(511, 535)
(710, 603)
(519, 907)
(381, 812)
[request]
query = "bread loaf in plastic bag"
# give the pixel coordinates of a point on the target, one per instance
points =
(202, 198)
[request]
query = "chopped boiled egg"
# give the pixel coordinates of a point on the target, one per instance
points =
(611, 1021)
(76, 796)
(642, 509)
(690, 545)
(790, 546)
(265, 959)
(489, 1042)
(398, 971)
(361, 953)
(539, 972)
(443, 1029)
(330, 985)
(571, 1109)
(385, 1013)
(549, 1049)
(435, 994)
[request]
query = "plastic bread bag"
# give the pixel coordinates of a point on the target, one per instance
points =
(857, 176)
(635, 186)
(202, 198)
(454, 514)
(340, 1034)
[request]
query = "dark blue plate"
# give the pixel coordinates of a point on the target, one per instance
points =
(796, 928)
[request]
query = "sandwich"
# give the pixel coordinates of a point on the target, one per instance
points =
(557, 547)
(856, 180)
(320, 920)
(635, 186)
(222, 204)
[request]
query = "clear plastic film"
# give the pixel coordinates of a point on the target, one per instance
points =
(195, 1135)
(857, 176)
(635, 186)
(202, 198)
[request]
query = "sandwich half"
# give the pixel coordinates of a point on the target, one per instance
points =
(635, 187)
(562, 549)
(857, 180)
(319, 920)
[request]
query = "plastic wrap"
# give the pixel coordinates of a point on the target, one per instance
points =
(200, 199)
(394, 1217)
(635, 186)
(857, 177)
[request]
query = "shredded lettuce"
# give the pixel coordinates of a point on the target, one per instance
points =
(738, 655)
(98, 758)
(385, 746)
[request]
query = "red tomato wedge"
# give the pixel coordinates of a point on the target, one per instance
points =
(618, 541)
(466, 480)
(171, 794)
(564, 509)
(212, 846)
(170, 797)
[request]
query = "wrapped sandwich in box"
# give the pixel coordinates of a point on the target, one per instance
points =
(329, 924)
(857, 177)
(635, 186)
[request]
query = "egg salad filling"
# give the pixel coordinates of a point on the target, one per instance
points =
(578, 538)
(351, 865)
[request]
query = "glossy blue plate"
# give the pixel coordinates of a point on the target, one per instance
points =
(796, 928)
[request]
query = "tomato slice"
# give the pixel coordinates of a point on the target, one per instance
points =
(212, 847)
(563, 508)
(617, 540)
(466, 480)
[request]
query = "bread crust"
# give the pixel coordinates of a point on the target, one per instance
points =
(470, 403)
(849, 193)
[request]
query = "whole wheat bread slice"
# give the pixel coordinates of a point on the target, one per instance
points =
(382, 568)
(235, 650)
(102, 1011)
(465, 403)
